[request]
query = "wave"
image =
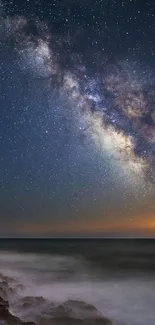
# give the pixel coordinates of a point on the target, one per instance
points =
(63, 290)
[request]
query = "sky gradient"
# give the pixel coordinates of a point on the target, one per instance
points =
(77, 118)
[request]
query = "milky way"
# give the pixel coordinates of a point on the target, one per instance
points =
(113, 102)
(77, 119)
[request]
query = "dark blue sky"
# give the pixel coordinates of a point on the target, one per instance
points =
(77, 119)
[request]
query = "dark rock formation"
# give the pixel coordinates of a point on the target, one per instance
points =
(32, 301)
(6, 278)
(7, 318)
(73, 313)
(3, 293)
(42, 311)
(70, 313)
(4, 305)
(5, 289)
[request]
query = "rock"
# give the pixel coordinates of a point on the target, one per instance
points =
(73, 312)
(10, 319)
(4, 285)
(29, 301)
(3, 294)
(73, 321)
(19, 286)
(77, 309)
(5, 289)
(4, 305)
(80, 308)
(7, 318)
(7, 278)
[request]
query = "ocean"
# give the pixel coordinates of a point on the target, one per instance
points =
(116, 277)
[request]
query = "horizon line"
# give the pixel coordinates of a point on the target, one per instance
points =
(72, 238)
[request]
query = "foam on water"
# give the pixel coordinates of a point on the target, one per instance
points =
(126, 300)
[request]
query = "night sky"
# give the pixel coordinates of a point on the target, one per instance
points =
(77, 118)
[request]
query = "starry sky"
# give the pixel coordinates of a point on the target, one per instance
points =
(77, 118)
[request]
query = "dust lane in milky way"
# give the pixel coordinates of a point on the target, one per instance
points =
(70, 104)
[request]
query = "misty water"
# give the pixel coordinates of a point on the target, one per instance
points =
(115, 276)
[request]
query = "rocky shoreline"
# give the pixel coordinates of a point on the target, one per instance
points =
(72, 312)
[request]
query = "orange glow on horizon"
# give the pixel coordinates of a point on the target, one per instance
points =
(138, 224)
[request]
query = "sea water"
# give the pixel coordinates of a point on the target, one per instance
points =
(115, 276)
